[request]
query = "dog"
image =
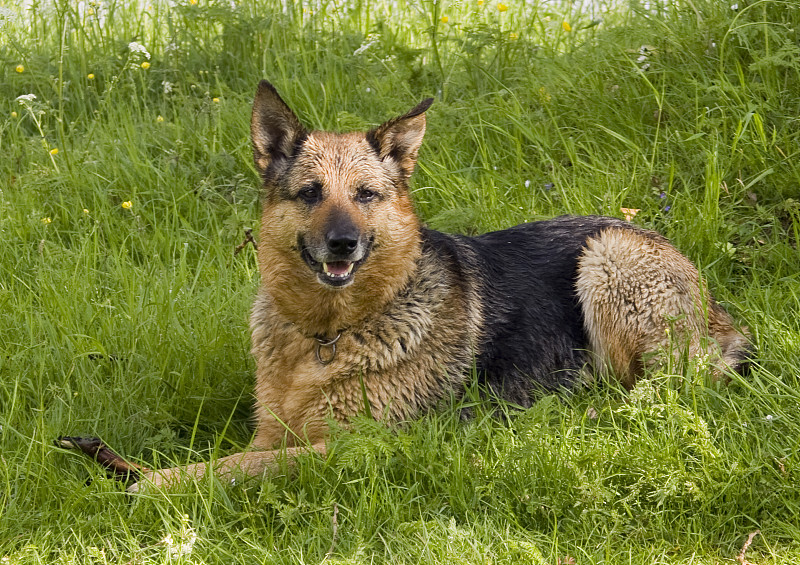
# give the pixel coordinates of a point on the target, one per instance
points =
(360, 309)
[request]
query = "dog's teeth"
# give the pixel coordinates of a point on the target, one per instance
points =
(328, 272)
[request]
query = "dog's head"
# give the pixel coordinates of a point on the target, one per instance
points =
(336, 207)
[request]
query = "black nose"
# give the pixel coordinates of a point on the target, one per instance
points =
(342, 242)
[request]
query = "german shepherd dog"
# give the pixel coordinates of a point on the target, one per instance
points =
(358, 303)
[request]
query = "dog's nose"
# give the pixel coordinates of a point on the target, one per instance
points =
(342, 243)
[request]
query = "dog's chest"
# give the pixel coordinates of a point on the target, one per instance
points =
(400, 359)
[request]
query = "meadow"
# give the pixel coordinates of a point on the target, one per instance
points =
(126, 184)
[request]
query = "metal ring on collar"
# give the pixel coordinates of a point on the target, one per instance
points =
(321, 342)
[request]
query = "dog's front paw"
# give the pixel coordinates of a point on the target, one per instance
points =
(147, 481)
(165, 479)
(136, 487)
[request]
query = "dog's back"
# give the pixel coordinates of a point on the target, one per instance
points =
(533, 330)
(565, 297)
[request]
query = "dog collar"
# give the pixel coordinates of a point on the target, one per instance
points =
(325, 343)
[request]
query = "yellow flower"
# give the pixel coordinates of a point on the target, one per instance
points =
(444, 19)
(193, 2)
(20, 68)
(501, 7)
(14, 114)
(160, 119)
(215, 100)
(54, 151)
(46, 221)
(146, 65)
(85, 211)
(544, 96)
(629, 213)
(513, 36)
(480, 2)
(565, 26)
(127, 205)
(90, 76)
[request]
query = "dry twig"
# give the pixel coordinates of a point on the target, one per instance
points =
(740, 558)
(248, 238)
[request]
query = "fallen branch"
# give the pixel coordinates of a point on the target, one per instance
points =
(100, 452)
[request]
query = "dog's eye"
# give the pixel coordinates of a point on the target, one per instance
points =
(366, 195)
(312, 193)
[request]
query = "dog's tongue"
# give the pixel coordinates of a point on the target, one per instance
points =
(338, 267)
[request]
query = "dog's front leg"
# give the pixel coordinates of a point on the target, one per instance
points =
(247, 463)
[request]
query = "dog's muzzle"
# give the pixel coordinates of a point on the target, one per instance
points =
(337, 262)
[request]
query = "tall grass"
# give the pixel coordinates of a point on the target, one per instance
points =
(126, 183)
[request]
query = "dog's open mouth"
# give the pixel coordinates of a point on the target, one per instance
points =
(338, 269)
(333, 273)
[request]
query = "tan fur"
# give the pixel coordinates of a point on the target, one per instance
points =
(640, 296)
(295, 391)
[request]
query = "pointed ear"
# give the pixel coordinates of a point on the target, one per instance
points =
(274, 128)
(399, 139)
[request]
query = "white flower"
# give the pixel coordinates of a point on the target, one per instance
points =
(167, 86)
(364, 47)
(178, 549)
(26, 98)
(182, 542)
(136, 47)
(527, 184)
(371, 40)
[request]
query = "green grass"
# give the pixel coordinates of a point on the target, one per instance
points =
(131, 323)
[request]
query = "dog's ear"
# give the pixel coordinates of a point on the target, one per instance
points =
(275, 130)
(399, 139)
